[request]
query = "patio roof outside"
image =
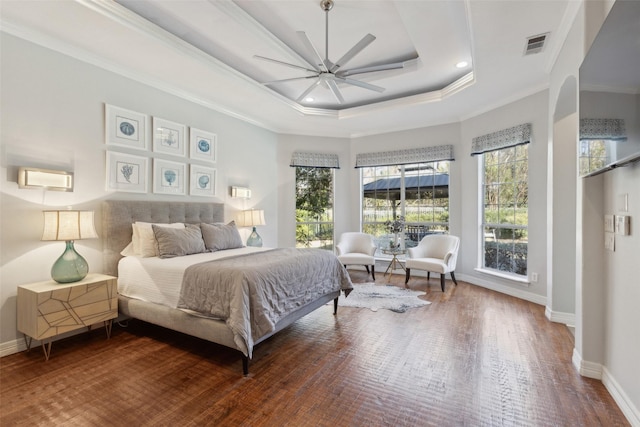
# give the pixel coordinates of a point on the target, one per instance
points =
(389, 188)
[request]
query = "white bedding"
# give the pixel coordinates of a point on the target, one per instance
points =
(159, 280)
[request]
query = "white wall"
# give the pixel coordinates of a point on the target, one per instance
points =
(606, 344)
(52, 110)
(622, 289)
(463, 187)
(532, 109)
(52, 116)
(287, 144)
(561, 257)
(565, 224)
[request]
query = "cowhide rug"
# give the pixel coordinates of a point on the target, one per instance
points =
(374, 297)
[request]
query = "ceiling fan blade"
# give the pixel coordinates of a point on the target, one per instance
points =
(371, 69)
(362, 84)
(286, 64)
(288, 80)
(311, 49)
(308, 91)
(366, 41)
(333, 87)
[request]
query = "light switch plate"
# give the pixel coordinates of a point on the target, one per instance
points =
(622, 225)
(608, 223)
(610, 242)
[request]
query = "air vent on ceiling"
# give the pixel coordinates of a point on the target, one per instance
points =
(535, 44)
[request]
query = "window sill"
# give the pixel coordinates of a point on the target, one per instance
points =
(512, 277)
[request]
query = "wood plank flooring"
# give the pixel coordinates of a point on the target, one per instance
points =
(472, 358)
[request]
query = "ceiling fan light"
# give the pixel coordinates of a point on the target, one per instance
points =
(328, 73)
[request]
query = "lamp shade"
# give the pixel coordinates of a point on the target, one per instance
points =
(68, 225)
(250, 218)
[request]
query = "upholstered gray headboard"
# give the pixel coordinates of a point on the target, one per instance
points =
(118, 215)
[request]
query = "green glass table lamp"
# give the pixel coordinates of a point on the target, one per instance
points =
(69, 226)
(252, 218)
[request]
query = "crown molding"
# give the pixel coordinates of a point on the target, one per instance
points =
(506, 101)
(610, 89)
(83, 55)
(424, 98)
(569, 16)
(248, 22)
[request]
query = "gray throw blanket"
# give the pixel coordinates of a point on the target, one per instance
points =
(253, 292)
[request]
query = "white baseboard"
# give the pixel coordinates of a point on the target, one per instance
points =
(599, 372)
(586, 369)
(18, 345)
(624, 402)
(12, 347)
(568, 319)
(518, 293)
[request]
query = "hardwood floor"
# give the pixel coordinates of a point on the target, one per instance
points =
(472, 358)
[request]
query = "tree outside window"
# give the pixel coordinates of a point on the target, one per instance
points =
(314, 207)
(505, 209)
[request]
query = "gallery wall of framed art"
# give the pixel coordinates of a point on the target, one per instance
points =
(182, 158)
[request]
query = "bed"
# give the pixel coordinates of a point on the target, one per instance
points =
(259, 291)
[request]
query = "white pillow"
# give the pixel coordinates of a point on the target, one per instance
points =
(144, 241)
(128, 251)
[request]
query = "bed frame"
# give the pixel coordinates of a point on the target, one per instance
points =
(117, 217)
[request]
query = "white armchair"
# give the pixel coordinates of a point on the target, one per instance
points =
(437, 253)
(357, 249)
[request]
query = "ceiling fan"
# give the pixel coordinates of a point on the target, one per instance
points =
(328, 73)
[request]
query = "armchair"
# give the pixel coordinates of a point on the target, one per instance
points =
(437, 253)
(357, 249)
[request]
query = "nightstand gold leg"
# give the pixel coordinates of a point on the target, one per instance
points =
(46, 348)
(27, 341)
(107, 327)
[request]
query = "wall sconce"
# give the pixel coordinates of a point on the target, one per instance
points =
(240, 192)
(69, 226)
(45, 178)
(251, 218)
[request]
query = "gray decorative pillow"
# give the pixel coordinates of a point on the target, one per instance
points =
(218, 237)
(173, 242)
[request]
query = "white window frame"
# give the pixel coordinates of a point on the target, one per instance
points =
(482, 225)
(402, 208)
(319, 223)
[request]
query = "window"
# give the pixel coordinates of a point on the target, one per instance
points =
(505, 209)
(418, 192)
(314, 207)
(594, 155)
(598, 143)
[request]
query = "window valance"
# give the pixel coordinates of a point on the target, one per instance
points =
(602, 129)
(510, 137)
(315, 160)
(403, 157)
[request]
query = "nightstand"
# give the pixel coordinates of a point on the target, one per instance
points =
(47, 309)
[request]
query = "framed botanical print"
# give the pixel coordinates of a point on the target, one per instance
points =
(126, 172)
(202, 181)
(169, 177)
(125, 128)
(169, 137)
(203, 145)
